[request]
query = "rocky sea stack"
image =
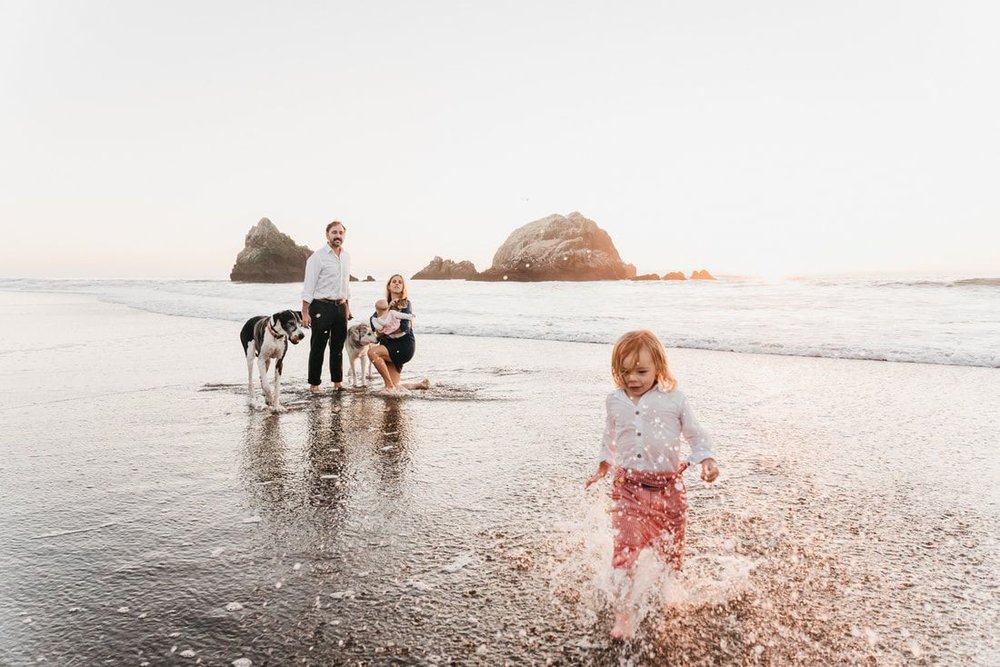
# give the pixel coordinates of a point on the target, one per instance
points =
(270, 257)
(446, 269)
(558, 247)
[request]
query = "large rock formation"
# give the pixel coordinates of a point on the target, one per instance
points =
(270, 257)
(558, 247)
(446, 269)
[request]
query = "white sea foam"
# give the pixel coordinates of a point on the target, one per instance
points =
(72, 531)
(459, 562)
(931, 319)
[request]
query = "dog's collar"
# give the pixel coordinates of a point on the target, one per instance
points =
(273, 332)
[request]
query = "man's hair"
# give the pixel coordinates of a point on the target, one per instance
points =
(626, 354)
(335, 222)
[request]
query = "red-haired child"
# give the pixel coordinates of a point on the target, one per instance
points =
(646, 417)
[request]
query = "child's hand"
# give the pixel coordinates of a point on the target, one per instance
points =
(709, 471)
(602, 470)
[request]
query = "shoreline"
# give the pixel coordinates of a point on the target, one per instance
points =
(141, 498)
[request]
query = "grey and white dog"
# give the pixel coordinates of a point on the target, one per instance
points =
(359, 337)
(265, 338)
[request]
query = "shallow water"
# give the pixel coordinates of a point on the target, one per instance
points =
(147, 512)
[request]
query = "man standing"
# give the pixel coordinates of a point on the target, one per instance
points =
(325, 305)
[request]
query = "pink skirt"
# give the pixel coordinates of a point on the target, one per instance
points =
(648, 509)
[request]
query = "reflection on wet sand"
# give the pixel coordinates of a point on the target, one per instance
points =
(263, 467)
(325, 474)
(391, 446)
(348, 457)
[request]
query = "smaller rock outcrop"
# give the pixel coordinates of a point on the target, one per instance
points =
(368, 279)
(703, 274)
(446, 269)
(674, 275)
(269, 256)
(648, 276)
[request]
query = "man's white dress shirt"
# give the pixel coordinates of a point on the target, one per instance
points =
(327, 275)
(647, 435)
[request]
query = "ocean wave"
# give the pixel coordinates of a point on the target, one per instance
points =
(964, 282)
(987, 282)
(916, 356)
(855, 320)
(863, 282)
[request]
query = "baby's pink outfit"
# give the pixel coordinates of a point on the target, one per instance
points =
(389, 323)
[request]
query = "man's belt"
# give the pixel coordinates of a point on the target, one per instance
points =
(339, 302)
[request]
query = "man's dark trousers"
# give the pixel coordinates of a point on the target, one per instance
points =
(329, 323)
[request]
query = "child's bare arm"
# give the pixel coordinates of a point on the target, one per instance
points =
(602, 470)
(404, 316)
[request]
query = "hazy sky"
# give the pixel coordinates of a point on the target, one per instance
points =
(143, 139)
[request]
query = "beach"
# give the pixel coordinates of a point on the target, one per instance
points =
(149, 516)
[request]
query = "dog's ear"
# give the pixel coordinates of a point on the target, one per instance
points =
(297, 315)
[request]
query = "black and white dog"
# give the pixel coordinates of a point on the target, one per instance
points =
(359, 337)
(266, 338)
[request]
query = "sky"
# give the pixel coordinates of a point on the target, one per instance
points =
(143, 139)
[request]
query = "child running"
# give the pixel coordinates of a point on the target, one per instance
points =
(646, 417)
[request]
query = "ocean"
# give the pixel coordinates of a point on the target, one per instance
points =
(938, 319)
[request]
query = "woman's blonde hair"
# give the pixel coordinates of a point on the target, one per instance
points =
(626, 355)
(404, 297)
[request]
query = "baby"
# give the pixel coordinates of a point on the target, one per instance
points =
(386, 321)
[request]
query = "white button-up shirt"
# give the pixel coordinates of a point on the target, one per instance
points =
(327, 275)
(647, 435)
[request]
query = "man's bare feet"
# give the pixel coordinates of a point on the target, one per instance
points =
(314, 388)
(624, 627)
(338, 386)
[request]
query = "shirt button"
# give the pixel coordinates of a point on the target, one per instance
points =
(637, 433)
(638, 456)
(636, 412)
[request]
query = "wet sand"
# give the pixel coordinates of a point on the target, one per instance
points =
(147, 515)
